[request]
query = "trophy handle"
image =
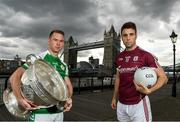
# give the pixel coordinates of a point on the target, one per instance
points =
(30, 59)
(12, 105)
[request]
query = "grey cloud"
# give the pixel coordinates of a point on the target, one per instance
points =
(84, 53)
(155, 8)
(7, 54)
(165, 57)
(151, 40)
(75, 17)
(37, 8)
(178, 25)
(9, 44)
(30, 21)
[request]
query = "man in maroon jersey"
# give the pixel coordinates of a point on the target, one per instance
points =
(133, 103)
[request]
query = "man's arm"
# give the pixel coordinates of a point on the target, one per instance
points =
(162, 79)
(15, 81)
(116, 91)
(68, 103)
(69, 86)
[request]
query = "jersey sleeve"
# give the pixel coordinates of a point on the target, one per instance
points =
(67, 71)
(152, 61)
(25, 66)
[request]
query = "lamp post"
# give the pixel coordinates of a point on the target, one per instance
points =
(173, 37)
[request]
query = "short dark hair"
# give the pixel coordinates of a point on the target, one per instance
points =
(129, 25)
(56, 31)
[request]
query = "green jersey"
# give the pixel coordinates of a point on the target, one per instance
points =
(56, 62)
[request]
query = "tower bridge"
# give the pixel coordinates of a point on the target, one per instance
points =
(111, 44)
(88, 46)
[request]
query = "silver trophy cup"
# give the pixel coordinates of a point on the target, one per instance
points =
(42, 85)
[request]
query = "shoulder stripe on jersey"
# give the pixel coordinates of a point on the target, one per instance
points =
(156, 61)
(43, 54)
(155, 58)
(67, 71)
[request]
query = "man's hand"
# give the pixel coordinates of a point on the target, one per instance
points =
(28, 105)
(141, 88)
(113, 104)
(68, 105)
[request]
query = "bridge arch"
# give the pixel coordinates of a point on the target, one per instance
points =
(111, 44)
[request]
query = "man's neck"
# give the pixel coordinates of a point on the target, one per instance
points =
(53, 53)
(132, 48)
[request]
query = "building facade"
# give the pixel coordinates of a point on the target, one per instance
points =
(9, 66)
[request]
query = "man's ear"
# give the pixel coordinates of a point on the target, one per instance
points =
(49, 40)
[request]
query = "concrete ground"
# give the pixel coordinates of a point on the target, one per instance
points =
(95, 106)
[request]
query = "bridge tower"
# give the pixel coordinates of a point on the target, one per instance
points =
(111, 48)
(70, 56)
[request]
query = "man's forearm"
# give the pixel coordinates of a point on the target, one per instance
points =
(69, 87)
(116, 91)
(70, 91)
(15, 81)
(116, 86)
(160, 82)
(162, 79)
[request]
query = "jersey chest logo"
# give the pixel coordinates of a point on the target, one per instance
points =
(135, 58)
(127, 58)
(63, 67)
(56, 66)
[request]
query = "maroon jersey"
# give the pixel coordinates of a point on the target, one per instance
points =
(127, 62)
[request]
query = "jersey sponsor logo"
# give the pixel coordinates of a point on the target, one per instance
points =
(127, 70)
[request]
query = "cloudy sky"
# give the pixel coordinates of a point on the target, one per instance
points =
(25, 24)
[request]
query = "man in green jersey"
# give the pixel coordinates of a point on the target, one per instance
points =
(52, 56)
